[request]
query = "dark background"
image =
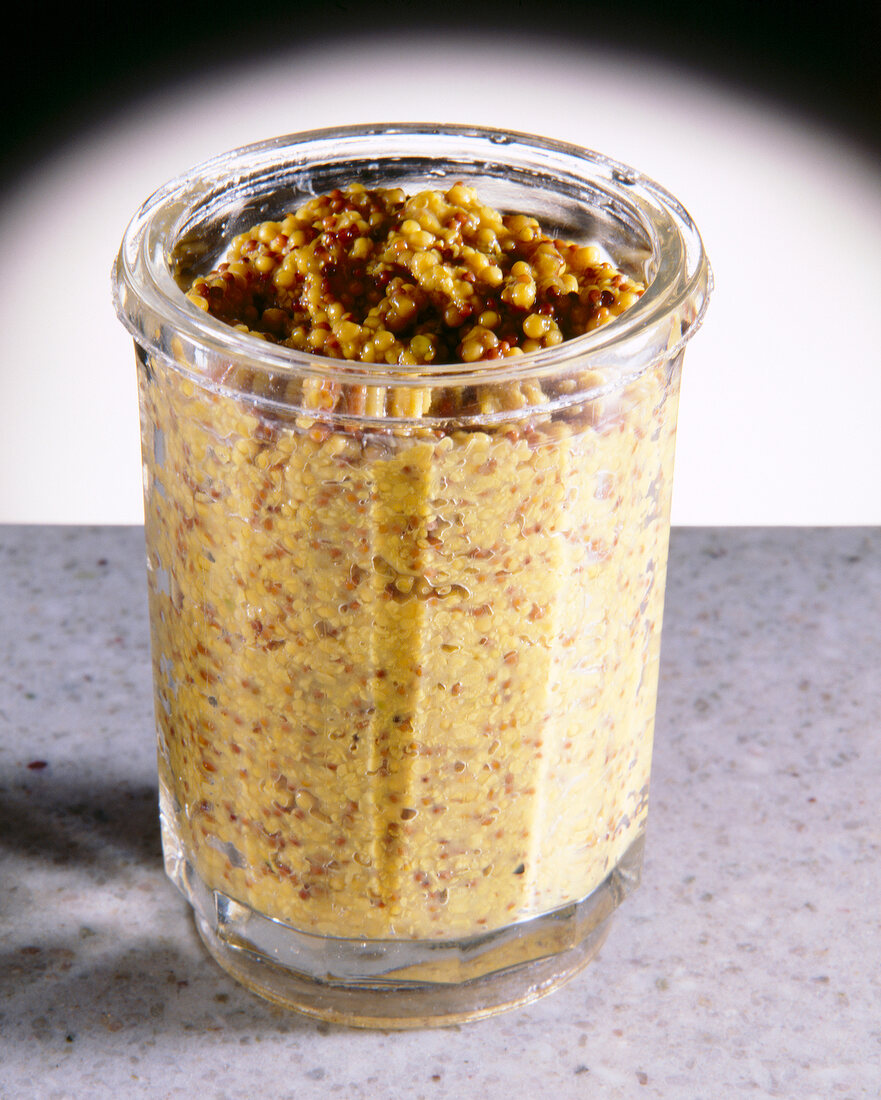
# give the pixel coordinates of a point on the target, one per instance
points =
(76, 62)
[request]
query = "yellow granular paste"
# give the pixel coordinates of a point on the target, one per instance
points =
(406, 678)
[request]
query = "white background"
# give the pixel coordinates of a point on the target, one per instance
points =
(782, 386)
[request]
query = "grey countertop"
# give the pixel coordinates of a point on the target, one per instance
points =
(747, 964)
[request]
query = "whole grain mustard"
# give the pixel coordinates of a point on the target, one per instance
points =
(406, 670)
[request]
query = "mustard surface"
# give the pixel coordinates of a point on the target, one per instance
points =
(405, 683)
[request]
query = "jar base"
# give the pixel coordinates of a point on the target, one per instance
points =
(403, 983)
(401, 1005)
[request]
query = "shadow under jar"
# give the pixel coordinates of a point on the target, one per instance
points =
(405, 640)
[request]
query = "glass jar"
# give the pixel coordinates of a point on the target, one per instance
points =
(406, 619)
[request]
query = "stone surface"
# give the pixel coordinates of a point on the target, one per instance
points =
(745, 965)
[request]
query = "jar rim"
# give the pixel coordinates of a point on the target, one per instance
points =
(157, 313)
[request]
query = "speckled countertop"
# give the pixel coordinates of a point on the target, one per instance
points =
(747, 964)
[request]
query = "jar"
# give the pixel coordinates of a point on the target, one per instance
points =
(406, 620)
